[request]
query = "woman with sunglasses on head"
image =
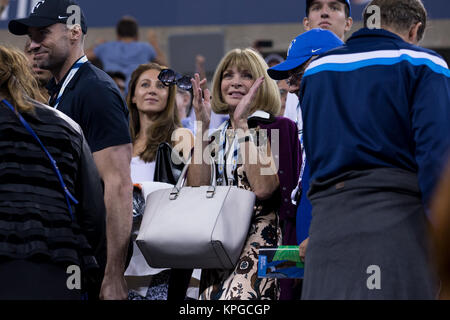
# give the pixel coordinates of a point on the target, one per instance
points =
(243, 90)
(153, 120)
(52, 217)
(183, 98)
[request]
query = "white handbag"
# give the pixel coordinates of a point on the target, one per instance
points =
(196, 227)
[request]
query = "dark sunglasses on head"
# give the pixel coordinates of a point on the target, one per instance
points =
(169, 77)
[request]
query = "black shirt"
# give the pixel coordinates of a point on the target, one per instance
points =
(93, 100)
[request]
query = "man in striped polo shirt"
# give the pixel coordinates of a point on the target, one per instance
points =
(376, 116)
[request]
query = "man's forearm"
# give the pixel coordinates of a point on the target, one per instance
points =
(113, 164)
(118, 202)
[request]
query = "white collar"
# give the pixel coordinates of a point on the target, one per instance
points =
(260, 114)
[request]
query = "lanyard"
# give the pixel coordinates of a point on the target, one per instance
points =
(69, 77)
(296, 193)
(67, 193)
(298, 117)
(234, 147)
(302, 168)
(300, 137)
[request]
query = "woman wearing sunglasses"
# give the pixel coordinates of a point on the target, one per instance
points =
(243, 90)
(153, 120)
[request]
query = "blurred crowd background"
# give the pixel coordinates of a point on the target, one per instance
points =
(183, 30)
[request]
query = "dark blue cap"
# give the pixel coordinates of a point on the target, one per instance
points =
(46, 13)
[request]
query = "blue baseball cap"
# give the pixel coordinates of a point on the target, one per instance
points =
(308, 4)
(303, 47)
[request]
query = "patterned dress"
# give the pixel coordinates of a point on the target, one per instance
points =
(242, 282)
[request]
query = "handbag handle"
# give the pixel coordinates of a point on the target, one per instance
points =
(182, 180)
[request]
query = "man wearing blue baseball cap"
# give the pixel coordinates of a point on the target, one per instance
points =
(333, 15)
(300, 53)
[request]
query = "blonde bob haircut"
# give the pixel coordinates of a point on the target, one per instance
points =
(267, 97)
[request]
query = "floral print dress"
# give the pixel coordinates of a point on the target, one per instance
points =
(242, 282)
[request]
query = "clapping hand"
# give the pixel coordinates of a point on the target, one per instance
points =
(201, 101)
(242, 110)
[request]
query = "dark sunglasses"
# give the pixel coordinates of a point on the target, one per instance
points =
(169, 77)
(294, 78)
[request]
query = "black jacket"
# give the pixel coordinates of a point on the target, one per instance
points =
(34, 218)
